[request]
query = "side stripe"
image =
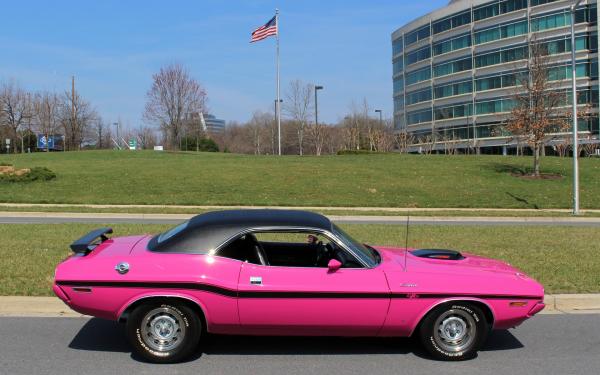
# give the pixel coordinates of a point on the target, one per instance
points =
(271, 294)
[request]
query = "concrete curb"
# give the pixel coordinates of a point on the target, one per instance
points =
(22, 306)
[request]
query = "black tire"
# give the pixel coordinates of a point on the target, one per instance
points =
(465, 330)
(164, 332)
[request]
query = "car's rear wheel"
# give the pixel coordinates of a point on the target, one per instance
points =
(454, 331)
(164, 333)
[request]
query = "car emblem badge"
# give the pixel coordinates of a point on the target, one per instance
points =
(122, 268)
(408, 285)
(254, 280)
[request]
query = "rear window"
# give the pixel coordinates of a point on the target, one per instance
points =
(171, 232)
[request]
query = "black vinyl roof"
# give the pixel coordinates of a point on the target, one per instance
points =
(205, 232)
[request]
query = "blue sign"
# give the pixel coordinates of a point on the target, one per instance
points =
(45, 142)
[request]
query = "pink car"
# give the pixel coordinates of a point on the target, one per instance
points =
(277, 272)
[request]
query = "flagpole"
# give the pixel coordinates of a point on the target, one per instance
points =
(278, 86)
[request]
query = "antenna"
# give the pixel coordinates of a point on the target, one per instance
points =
(406, 244)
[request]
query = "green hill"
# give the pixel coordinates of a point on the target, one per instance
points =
(386, 180)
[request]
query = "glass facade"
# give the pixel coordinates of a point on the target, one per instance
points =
(488, 52)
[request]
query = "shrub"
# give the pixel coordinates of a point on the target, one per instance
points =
(35, 174)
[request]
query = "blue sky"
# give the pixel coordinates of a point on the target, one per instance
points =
(114, 47)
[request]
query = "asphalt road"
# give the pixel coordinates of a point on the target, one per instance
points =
(417, 220)
(547, 344)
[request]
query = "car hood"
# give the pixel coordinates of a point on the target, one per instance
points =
(394, 258)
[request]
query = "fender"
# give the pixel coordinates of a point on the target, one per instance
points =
(453, 299)
(144, 296)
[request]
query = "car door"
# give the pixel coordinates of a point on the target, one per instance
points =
(312, 301)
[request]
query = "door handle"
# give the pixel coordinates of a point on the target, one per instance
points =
(255, 280)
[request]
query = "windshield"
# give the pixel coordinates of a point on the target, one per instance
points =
(171, 232)
(367, 255)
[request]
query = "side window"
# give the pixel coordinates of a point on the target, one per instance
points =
(302, 249)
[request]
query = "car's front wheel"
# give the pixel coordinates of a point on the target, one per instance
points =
(164, 333)
(454, 331)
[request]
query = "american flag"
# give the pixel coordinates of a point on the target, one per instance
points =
(266, 30)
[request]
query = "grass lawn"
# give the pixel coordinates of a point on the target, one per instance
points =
(390, 180)
(564, 259)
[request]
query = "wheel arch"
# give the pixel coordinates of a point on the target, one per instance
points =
(487, 310)
(194, 304)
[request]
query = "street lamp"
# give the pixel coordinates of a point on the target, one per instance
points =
(380, 116)
(116, 124)
(316, 105)
(575, 122)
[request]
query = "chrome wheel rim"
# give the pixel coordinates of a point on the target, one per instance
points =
(163, 329)
(454, 330)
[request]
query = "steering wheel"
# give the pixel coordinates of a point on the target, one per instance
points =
(324, 254)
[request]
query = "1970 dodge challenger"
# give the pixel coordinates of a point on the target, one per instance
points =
(283, 272)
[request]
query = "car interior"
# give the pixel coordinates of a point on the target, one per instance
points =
(287, 249)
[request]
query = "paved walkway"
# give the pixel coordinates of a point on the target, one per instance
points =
(74, 217)
(309, 208)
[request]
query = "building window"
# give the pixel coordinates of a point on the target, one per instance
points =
(419, 34)
(511, 79)
(418, 96)
(453, 89)
(418, 55)
(502, 56)
(563, 18)
(398, 66)
(501, 32)
(397, 46)
(497, 8)
(398, 104)
(452, 67)
(451, 22)
(418, 76)
(398, 85)
(452, 45)
(494, 106)
(453, 111)
(418, 117)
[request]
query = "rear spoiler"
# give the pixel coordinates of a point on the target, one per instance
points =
(87, 243)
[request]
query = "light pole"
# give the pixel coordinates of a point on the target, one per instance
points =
(575, 122)
(116, 124)
(316, 105)
(380, 116)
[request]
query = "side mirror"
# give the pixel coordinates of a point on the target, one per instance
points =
(334, 265)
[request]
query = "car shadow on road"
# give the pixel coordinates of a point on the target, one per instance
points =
(103, 335)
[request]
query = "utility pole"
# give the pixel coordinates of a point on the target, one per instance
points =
(575, 124)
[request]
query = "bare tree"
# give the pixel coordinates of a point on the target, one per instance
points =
(537, 104)
(173, 95)
(77, 118)
(15, 109)
(47, 111)
(298, 106)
